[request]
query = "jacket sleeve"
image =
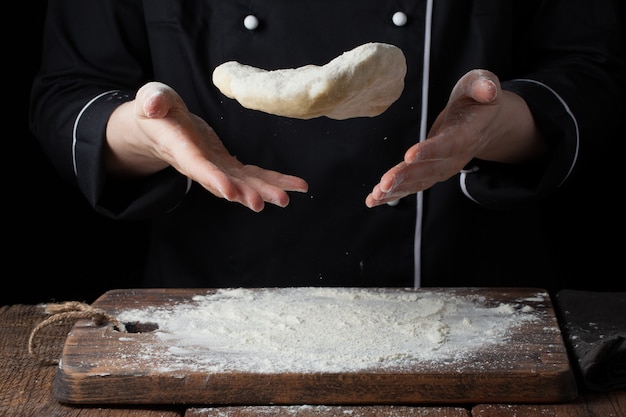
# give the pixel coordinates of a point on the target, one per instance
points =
(572, 53)
(95, 55)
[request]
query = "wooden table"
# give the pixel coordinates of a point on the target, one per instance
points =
(26, 388)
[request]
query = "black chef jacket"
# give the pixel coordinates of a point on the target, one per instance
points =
(481, 227)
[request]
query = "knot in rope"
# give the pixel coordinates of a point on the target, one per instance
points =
(70, 310)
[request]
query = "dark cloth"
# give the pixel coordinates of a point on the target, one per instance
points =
(594, 328)
(482, 228)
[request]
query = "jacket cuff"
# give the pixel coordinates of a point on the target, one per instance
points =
(503, 186)
(128, 198)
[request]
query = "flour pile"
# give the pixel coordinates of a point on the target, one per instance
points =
(323, 329)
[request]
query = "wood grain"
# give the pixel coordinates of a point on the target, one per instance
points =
(532, 367)
(328, 411)
(611, 404)
(26, 386)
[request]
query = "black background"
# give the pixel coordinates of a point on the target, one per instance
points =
(55, 247)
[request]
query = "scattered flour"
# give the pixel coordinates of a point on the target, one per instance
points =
(321, 329)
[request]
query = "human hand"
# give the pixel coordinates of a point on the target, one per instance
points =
(157, 130)
(480, 120)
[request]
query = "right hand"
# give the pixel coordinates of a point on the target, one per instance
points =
(156, 130)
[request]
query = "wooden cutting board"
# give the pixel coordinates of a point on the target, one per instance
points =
(526, 362)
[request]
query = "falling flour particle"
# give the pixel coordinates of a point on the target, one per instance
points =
(322, 329)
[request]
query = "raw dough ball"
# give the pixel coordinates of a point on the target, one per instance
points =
(362, 82)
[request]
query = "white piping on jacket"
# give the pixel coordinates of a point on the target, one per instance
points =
(417, 247)
(463, 178)
(569, 111)
(463, 181)
(76, 126)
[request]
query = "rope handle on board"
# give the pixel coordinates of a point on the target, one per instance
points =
(70, 310)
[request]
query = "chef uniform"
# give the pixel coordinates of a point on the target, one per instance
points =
(481, 227)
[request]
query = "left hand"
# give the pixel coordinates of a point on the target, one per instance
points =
(480, 120)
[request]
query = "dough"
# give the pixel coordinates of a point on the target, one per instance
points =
(362, 82)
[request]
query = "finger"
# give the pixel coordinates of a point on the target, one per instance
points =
(405, 179)
(215, 179)
(282, 181)
(478, 85)
(249, 186)
(389, 188)
(371, 202)
(269, 193)
(251, 196)
(402, 189)
(440, 147)
(154, 100)
(272, 185)
(376, 199)
(234, 190)
(483, 90)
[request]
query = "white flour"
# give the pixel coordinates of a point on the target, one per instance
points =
(322, 329)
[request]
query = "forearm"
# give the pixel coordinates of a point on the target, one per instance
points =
(124, 153)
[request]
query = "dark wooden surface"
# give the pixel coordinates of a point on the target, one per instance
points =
(26, 385)
(26, 388)
(100, 367)
(612, 404)
(329, 411)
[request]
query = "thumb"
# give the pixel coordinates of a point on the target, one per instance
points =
(154, 100)
(479, 85)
